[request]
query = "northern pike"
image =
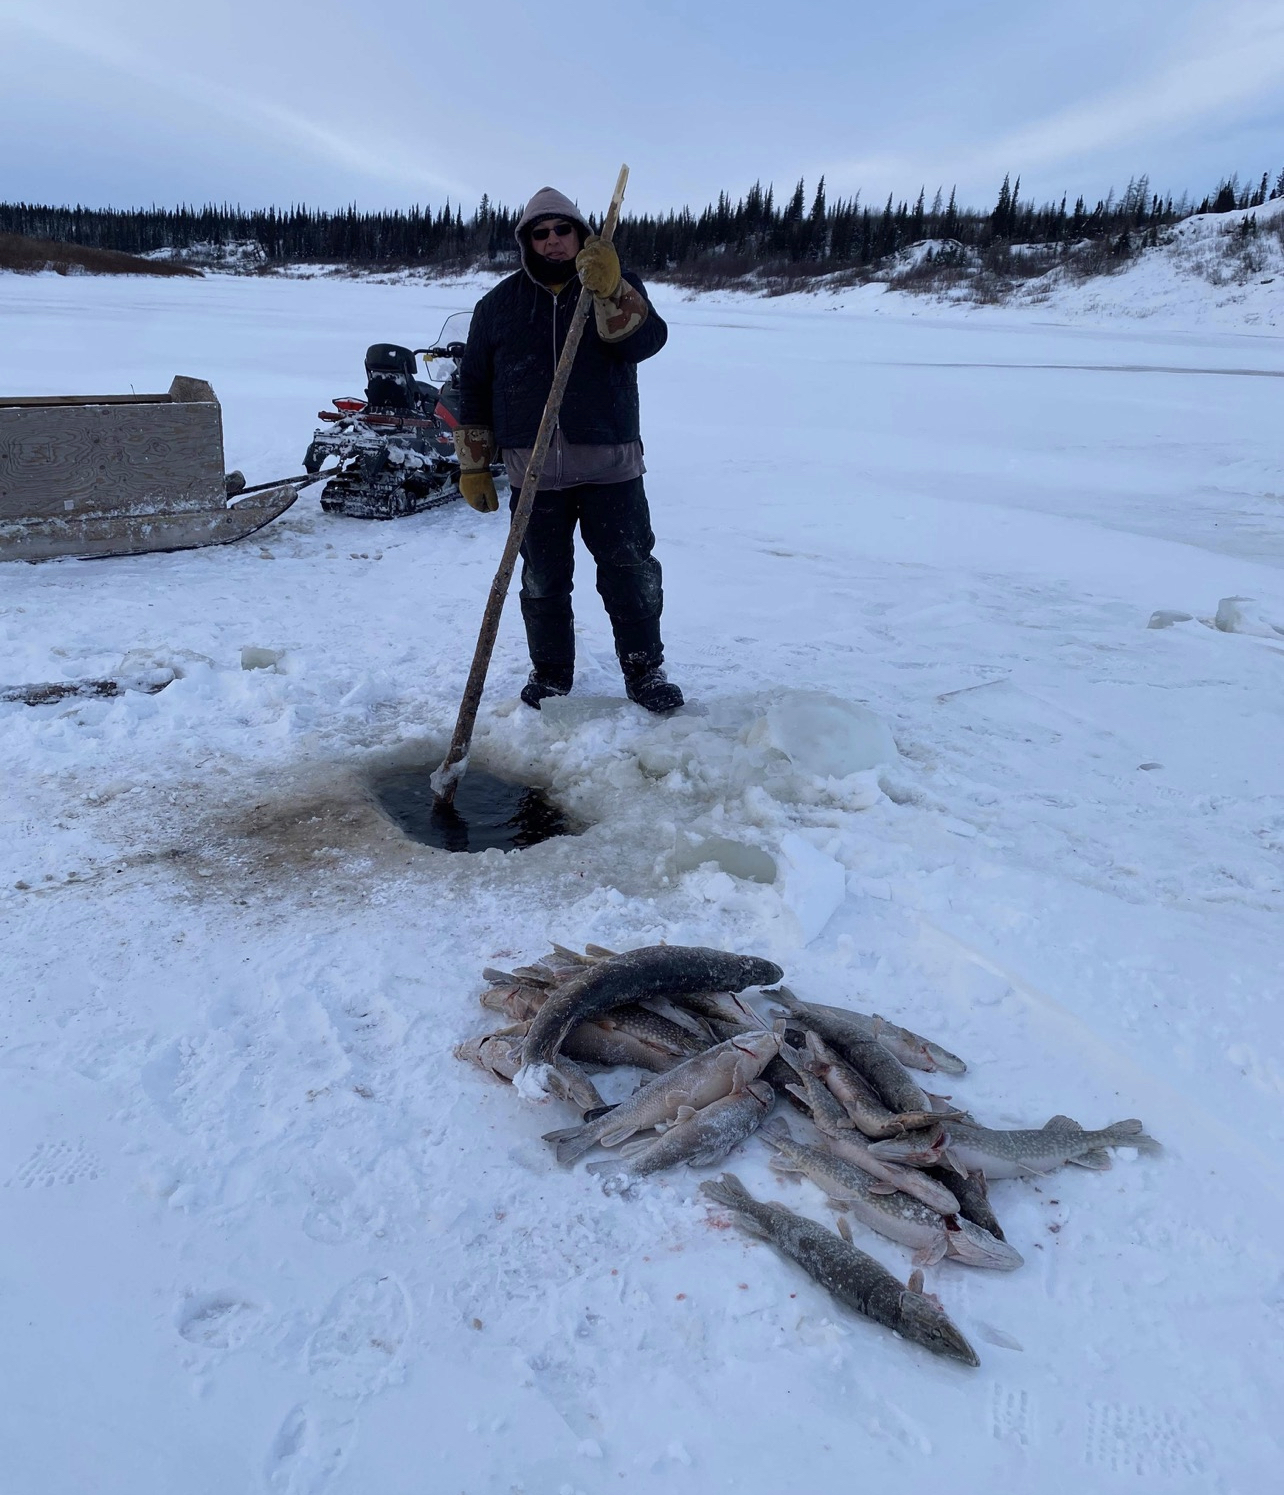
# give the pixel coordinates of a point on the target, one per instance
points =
(696, 1138)
(654, 971)
(631, 1034)
(854, 1092)
(885, 1209)
(847, 1273)
(849, 1034)
(501, 1054)
(913, 1050)
(1021, 1154)
(693, 1084)
(933, 1191)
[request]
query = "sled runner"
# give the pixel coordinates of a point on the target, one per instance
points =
(101, 475)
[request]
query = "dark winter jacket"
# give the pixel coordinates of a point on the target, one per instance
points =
(515, 340)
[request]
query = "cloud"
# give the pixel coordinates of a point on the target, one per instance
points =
(1232, 56)
(388, 163)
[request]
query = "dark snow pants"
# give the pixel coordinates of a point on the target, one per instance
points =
(615, 523)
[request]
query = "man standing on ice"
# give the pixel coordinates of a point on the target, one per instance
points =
(593, 475)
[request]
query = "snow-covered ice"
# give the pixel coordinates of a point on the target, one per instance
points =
(264, 1232)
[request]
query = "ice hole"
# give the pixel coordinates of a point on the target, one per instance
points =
(488, 811)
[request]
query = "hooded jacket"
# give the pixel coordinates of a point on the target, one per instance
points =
(517, 333)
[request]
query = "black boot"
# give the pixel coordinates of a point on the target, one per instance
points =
(645, 683)
(545, 681)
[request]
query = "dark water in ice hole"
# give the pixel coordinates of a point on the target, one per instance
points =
(488, 811)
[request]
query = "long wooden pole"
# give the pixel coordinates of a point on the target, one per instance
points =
(445, 779)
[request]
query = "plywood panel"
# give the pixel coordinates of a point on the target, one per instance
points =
(58, 461)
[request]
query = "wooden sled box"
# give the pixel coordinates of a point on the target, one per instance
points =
(99, 475)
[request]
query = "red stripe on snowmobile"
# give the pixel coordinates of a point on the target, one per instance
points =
(443, 414)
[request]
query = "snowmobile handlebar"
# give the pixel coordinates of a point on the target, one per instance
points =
(451, 350)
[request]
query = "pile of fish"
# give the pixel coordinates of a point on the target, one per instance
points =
(898, 1158)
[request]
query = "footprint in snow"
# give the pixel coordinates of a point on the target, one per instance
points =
(218, 1321)
(309, 1449)
(356, 1350)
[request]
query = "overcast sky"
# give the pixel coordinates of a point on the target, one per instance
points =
(389, 102)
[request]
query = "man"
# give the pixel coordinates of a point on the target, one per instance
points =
(593, 475)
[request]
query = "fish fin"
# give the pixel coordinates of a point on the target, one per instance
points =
(777, 1164)
(685, 1113)
(534, 976)
(794, 1058)
(948, 1160)
(844, 1228)
(939, 1102)
(882, 1187)
(638, 1144)
(928, 1256)
(713, 1154)
(613, 1136)
(1061, 1124)
(915, 1283)
(572, 1142)
(778, 1127)
(754, 1019)
(496, 977)
(1098, 1160)
(599, 952)
(729, 1192)
(1130, 1133)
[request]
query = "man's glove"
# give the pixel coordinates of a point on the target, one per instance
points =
(598, 267)
(475, 447)
(478, 489)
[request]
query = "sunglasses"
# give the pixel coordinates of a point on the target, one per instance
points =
(562, 230)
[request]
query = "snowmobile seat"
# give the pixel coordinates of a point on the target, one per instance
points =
(391, 382)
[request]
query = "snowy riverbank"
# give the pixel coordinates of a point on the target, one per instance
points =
(266, 1233)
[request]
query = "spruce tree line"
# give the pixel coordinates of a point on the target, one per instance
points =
(756, 233)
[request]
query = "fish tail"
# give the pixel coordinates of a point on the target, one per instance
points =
(730, 1192)
(1130, 1133)
(572, 1141)
(776, 1131)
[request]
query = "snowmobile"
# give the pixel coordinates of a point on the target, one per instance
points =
(395, 448)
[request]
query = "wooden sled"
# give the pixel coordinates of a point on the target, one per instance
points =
(100, 475)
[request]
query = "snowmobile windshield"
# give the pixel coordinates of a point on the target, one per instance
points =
(453, 330)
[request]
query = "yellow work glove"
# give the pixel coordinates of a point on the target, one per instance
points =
(598, 267)
(475, 447)
(478, 489)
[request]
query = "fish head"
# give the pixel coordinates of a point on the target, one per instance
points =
(920, 1149)
(761, 1046)
(752, 970)
(925, 1322)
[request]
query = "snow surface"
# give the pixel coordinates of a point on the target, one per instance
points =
(263, 1231)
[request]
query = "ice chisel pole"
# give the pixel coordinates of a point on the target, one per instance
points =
(446, 778)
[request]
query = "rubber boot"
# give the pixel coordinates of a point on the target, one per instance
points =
(645, 682)
(544, 681)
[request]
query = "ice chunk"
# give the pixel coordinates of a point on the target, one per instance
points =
(1165, 617)
(831, 738)
(813, 885)
(1244, 615)
(747, 862)
(254, 658)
